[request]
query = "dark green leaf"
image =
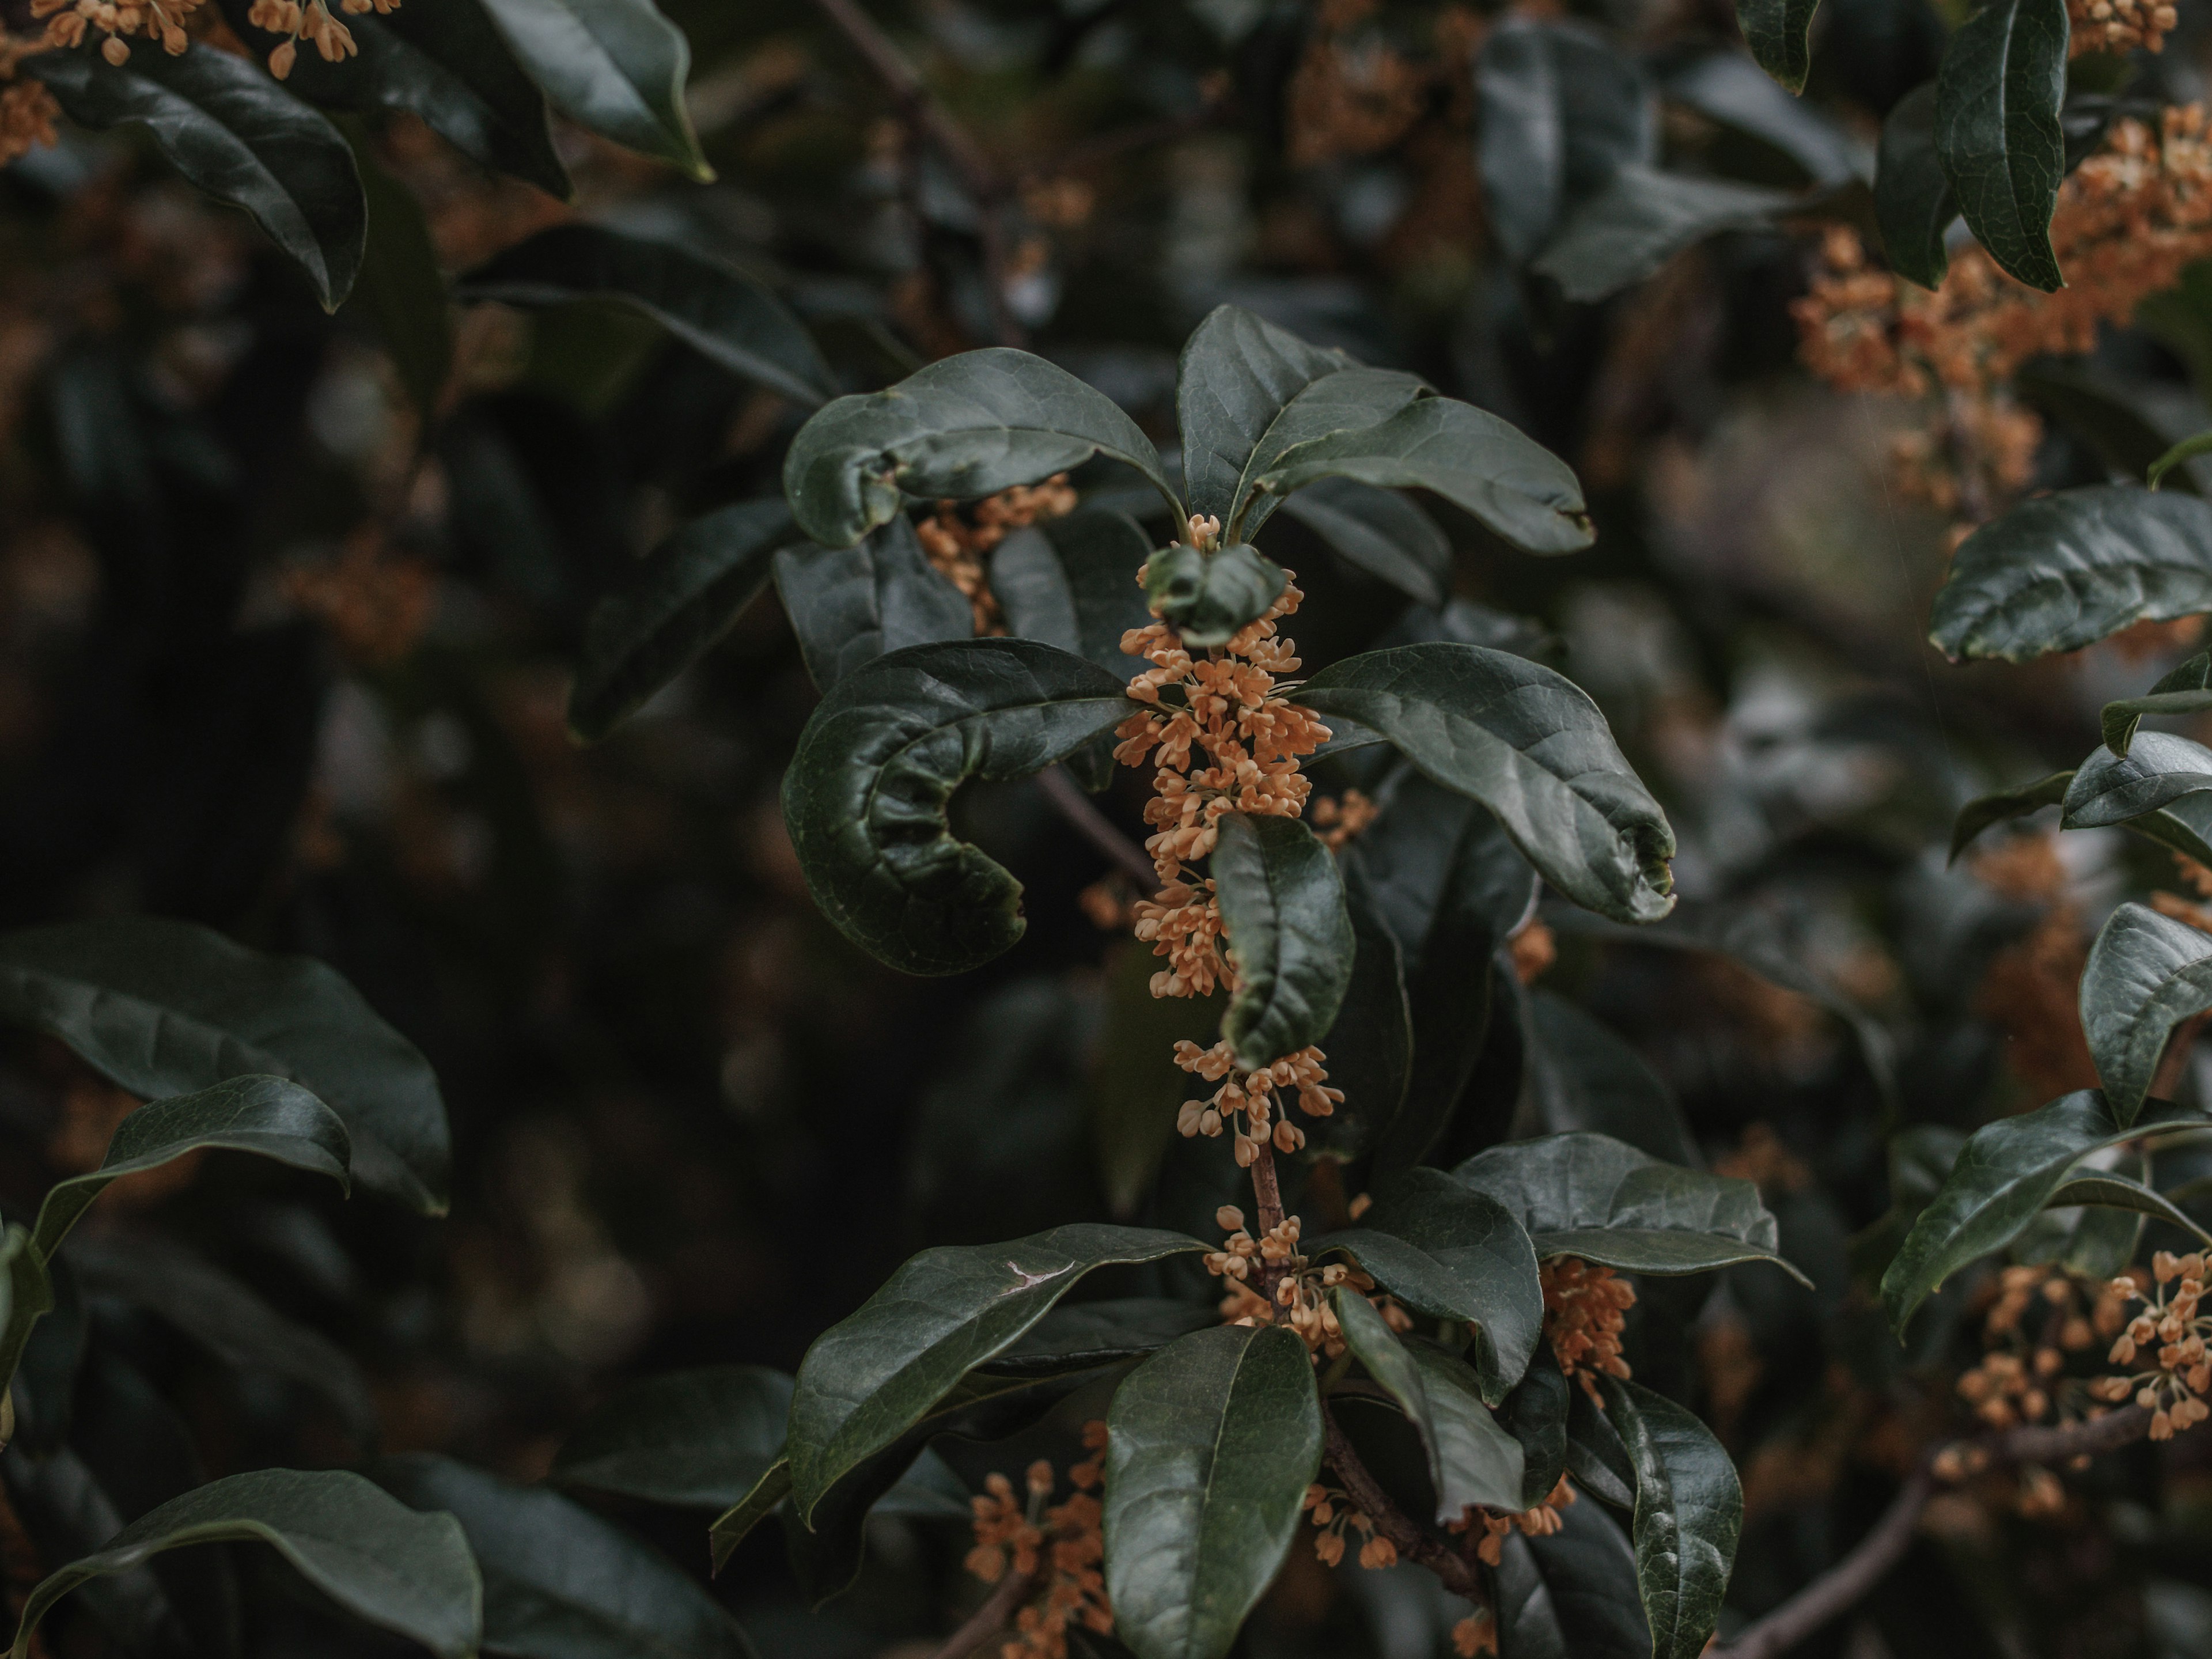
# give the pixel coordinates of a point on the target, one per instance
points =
(1468, 456)
(2113, 1192)
(1448, 1251)
(237, 135)
(849, 606)
(2062, 571)
(1591, 1196)
(686, 594)
(161, 1007)
(1380, 531)
(1535, 1414)
(1595, 1456)
(1370, 1045)
(616, 67)
(2184, 690)
(872, 1376)
(1997, 133)
(372, 1555)
(1561, 112)
(703, 1436)
(1208, 597)
(401, 286)
(1986, 810)
(1289, 937)
(1913, 201)
(2007, 1171)
(1642, 219)
(1572, 1595)
(2184, 824)
(2187, 449)
(2158, 769)
(2116, 415)
(1376, 1346)
(865, 792)
(1099, 553)
(1530, 746)
(1211, 1445)
(559, 1583)
(969, 426)
(1780, 34)
(728, 317)
(761, 1500)
(1481, 1462)
(1689, 1511)
(2146, 974)
(1081, 1334)
(1582, 1076)
(1237, 373)
(1728, 88)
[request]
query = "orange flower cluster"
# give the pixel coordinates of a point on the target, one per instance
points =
(1253, 1094)
(1060, 1544)
(26, 119)
(2128, 220)
(2118, 26)
(1540, 1523)
(1340, 819)
(956, 543)
(2022, 1381)
(1585, 1310)
(2170, 1330)
(1532, 948)
(68, 20)
(1301, 1291)
(289, 18)
(1332, 1512)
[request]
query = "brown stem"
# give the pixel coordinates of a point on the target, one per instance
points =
(1840, 1588)
(1412, 1540)
(1068, 800)
(991, 1618)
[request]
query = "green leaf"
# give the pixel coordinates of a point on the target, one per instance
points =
(969, 426)
(1136, 1088)
(1780, 34)
(761, 1500)
(161, 1007)
(1289, 937)
(1381, 533)
(850, 605)
(1349, 400)
(1597, 1457)
(1098, 553)
(2188, 449)
(1480, 1461)
(1998, 96)
(2103, 1190)
(2007, 1171)
(730, 318)
(1985, 811)
(1370, 1045)
(872, 1376)
(703, 1436)
(1581, 1075)
(401, 285)
(1689, 1511)
(1913, 202)
(684, 596)
(2184, 690)
(1079, 1335)
(1729, 89)
(1572, 1595)
(1468, 456)
(237, 135)
(2146, 974)
(1448, 1251)
(2064, 570)
(2117, 416)
(1561, 112)
(864, 795)
(1208, 597)
(2158, 769)
(410, 1573)
(1237, 373)
(2184, 824)
(559, 1581)
(1535, 1414)
(1376, 1346)
(1591, 1196)
(1211, 1445)
(1641, 220)
(616, 67)
(447, 64)
(1530, 746)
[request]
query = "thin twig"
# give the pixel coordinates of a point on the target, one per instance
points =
(1068, 800)
(991, 1618)
(1412, 1541)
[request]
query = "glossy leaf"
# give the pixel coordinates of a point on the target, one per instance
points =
(1595, 1456)
(161, 1007)
(730, 318)
(1099, 553)
(1592, 1196)
(1572, 1595)
(1446, 1250)
(411, 1574)
(2064, 570)
(1913, 201)
(1780, 34)
(1468, 456)
(2007, 1171)
(1236, 372)
(865, 792)
(560, 1583)
(2103, 1190)
(1351, 400)
(1211, 1445)
(1561, 112)
(703, 1436)
(1081, 1334)
(2183, 690)
(688, 592)
(1641, 220)
(761, 1499)
(968, 426)
(2146, 974)
(1208, 597)
(237, 135)
(614, 67)
(850, 605)
(1581, 1075)
(1985, 811)
(1480, 1461)
(1997, 134)
(871, 1376)
(1535, 1414)
(2158, 769)
(1729, 89)
(1288, 935)
(1531, 747)
(1371, 1044)
(1381, 533)
(1375, 1345)
(2121, 417)
(1689, 1511)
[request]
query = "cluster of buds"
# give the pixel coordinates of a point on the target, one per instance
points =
(1300, 1298)
(1252, 1096)
(1585, 1309)
(2118, 26)
(2171, 1332)
(2040, 1317)
(1060, 1545)
(331, 37)
(1337, 819)
(1332, 1512)
(68, 20)
(1540, 1522)
(958, 544)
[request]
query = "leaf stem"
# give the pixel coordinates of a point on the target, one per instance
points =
(1068, 799)
(1413, 1540)
(991, 1618)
